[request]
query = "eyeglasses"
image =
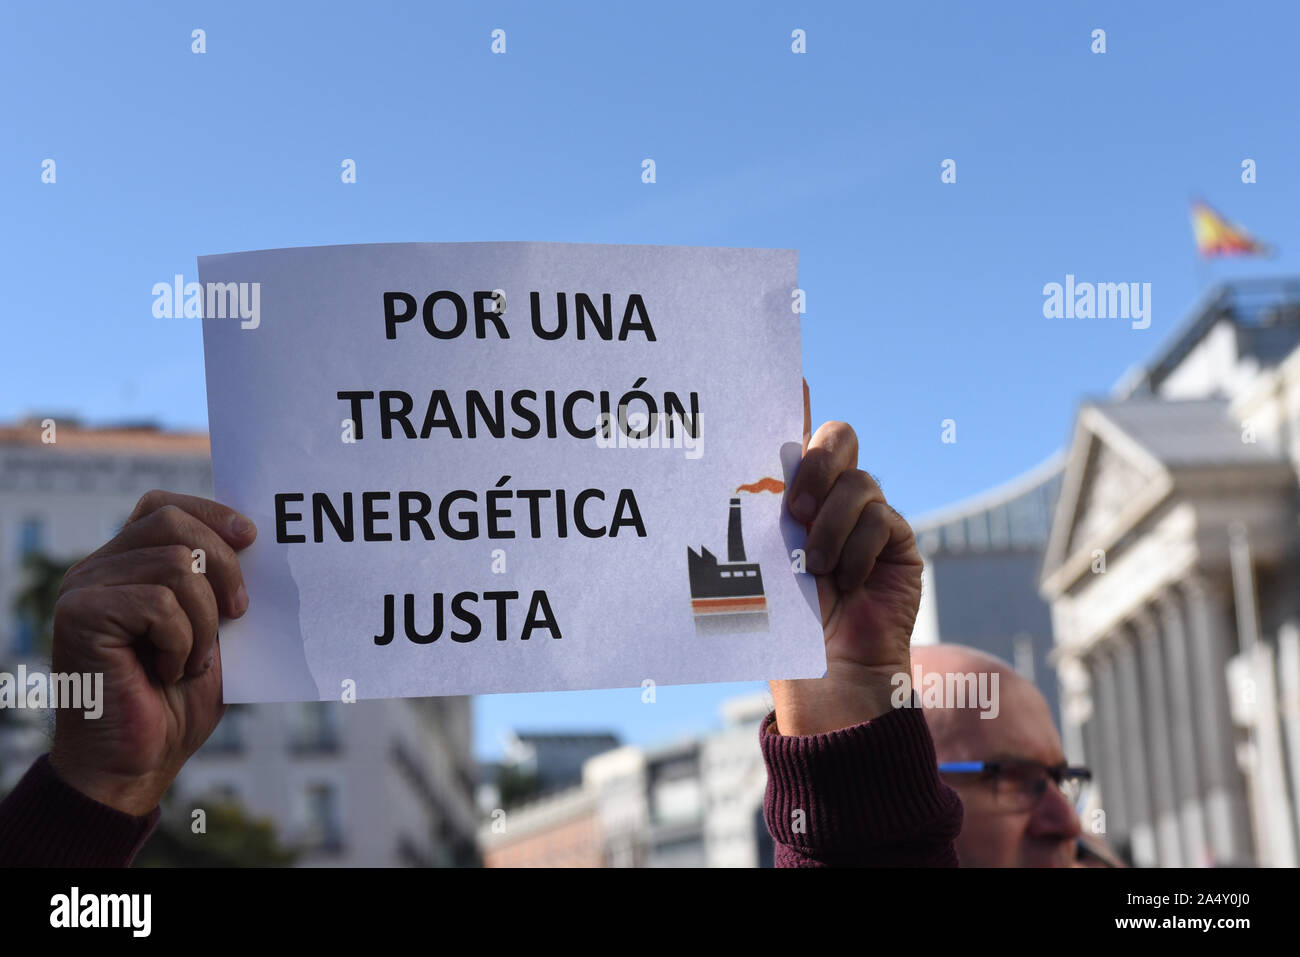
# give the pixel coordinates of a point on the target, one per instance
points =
(1020, 785)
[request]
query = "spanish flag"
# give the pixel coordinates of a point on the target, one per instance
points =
(1216, 236)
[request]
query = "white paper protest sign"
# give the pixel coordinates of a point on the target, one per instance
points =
(493, 467)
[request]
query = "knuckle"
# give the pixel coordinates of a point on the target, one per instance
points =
(150, 501)
(223, 563)
(861, 481)
(172, 613)
(71, 579)
(203, 617)
(153, 498)
(171, 518)
(877, 521)
(186, 586)
(893, 516)
(155, 602)
(879, 512)
(159, 598)
(179, 556)
(68, 608)
(194, 587)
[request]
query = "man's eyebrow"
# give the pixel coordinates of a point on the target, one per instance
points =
(1003, 757)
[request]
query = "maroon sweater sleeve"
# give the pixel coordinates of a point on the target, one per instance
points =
(870, 796)
(46, 823)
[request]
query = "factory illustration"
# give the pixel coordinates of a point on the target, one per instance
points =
(730, 587)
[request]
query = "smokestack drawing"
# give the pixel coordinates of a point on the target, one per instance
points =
(731, 588)
(735, 540)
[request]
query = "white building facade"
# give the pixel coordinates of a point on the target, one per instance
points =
(1173, 574)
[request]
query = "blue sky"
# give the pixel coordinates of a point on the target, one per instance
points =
(924, 299)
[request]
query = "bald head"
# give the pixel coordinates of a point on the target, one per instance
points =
(1018, 710)
(1010, 720)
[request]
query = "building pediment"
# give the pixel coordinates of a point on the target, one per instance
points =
(1128, 457)
(1111, 483)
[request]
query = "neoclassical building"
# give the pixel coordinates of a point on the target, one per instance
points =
(1173, 574)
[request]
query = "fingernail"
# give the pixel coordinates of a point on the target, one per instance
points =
(207, 662)
(804, 507)
(240, 525)
(816, 561)
(241, 599)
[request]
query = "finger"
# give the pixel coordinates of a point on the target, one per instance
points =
(807, 415)
(171, 525)
(880, 533)
(837, 518)
(237, 530)
(832, 451)
(147, 616)
(864, 545)
(173, 567)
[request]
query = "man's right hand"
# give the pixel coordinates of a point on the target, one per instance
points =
(868, 586)
(143, 610)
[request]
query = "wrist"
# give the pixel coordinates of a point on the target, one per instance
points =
(136, 795)
(849, 695)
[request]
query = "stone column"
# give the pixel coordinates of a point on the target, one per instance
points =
(1159, 739)
(1223, 791)
(1110, 757)
(1274, 838)
(1091, 756)
(1288, 669)
(1137, 790)
(1182, 714)
(1076, 705)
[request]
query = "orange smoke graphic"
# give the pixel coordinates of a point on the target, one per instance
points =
(764, 485)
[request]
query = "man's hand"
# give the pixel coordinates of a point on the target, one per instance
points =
(139, 612)
(868, 585)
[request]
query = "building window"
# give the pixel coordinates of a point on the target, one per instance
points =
(322, 828)
(24, 635)
(317, 727)
(31, 541)
(31, 537)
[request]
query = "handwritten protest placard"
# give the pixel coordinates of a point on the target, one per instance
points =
(491, 467)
